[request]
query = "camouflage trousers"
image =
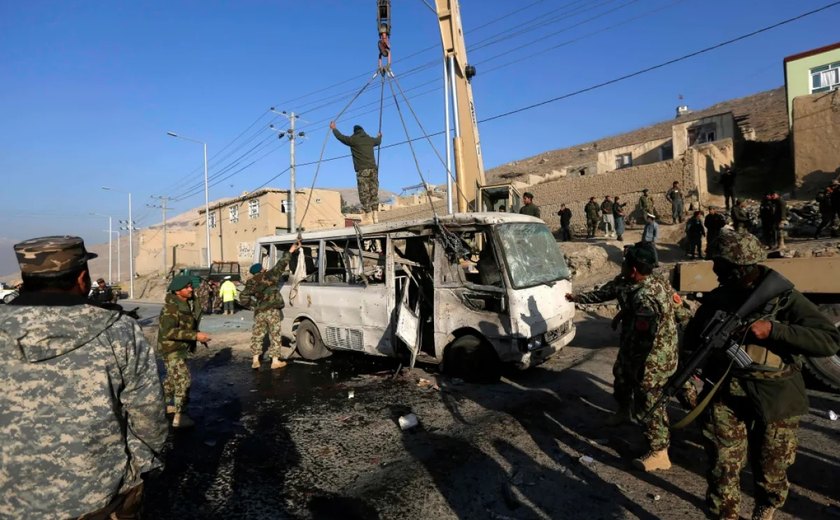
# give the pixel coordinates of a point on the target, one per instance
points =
(176, 383)
(367, 182)
(267, 322)
(631, 394)
(737, 434)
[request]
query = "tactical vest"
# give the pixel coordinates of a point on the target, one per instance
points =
(766, 364)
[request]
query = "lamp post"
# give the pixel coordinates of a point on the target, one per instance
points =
(110, 247)
(119, 269)
(130, 225)
(206, 191)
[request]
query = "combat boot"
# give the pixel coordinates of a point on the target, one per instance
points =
(182, 420)
(763, 513)
(622, 416)
(277, 363)
(255, 363)
(653, 461)
(170, 409)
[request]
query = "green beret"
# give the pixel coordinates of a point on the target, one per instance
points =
(254, 269)
(179, 282)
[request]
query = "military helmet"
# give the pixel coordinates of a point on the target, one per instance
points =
(640, 253)
(737, 248)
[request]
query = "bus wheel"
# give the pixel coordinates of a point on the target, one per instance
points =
(827, 369)
(471, 359)
(308, 341)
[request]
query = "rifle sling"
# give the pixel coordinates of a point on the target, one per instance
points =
(693, 414)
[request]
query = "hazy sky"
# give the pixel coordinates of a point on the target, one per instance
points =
(89, 89)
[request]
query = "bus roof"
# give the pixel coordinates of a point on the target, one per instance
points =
(456, 219)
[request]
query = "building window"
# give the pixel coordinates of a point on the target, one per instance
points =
(284, 206)
(212, 220)
(234, 214)
(825, 77)
(666, 152)
(623, 160)
(702, 134)
(254, 208)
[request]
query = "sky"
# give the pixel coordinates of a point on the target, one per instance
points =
(90, 89)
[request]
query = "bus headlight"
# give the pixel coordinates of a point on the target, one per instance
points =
(535, 343)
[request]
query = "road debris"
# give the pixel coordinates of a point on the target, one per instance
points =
(586, 460)
(832, 415)
(408, 421)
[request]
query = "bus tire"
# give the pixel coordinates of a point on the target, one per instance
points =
(471, 359)
(308, 342)
(827, 369)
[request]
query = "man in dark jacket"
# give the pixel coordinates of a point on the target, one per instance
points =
(766, 213)
(565, 223)
(529, 208)
(364, 162)
(827, 209)
(714, 223)
(694, 234)
(727, 182)
(755, 414)
(262, 295)
(177, 336)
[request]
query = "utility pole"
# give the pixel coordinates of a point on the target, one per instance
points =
(292, 189)
(163, 200)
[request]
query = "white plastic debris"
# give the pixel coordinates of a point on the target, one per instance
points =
(408, 421)
(586, 459)
(832, 415)
(351, 394)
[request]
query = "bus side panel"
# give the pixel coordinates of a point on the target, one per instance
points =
(351, 317)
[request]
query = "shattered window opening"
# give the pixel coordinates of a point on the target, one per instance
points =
(531, 254)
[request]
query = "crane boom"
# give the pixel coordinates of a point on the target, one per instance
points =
(469, 166)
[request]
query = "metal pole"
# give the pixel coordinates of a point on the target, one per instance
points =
(130, 248)
(448, 139)
(292, 189)
(164, 235)
(119, 257)
(206, 206)
(110, 250)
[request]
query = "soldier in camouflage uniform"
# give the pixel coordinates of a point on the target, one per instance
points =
(177, 336)
(216, 299)
(651, 345)
(82, 405)
(364, 162)
(262, 294)
(593, 214)
(755, 414)
(621, 289)
(203, 297)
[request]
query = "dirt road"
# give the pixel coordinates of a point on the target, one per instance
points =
(293, 443)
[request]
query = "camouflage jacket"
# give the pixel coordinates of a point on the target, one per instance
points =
(262, 291)
(82, 406)
(178, 325)
(646, 204)
(798, 329)
(202, 294)
(652, 340)
(592, 210)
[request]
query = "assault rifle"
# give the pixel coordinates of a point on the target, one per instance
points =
(721, 334)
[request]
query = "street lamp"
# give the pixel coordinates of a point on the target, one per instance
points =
(206, 191)
(130, 225)
(110, 247)
(119, 260)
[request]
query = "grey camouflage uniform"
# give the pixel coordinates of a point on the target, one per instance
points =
(82, 408)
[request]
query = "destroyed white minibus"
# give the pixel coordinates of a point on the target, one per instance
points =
(456, 288)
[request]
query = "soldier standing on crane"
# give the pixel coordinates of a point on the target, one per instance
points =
(364, 162)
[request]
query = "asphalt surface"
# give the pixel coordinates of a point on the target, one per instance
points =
(322, 440)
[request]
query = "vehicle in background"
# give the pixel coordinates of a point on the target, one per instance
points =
(7, 292)
(463, 289)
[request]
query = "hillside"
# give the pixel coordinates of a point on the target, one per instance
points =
(765, 113)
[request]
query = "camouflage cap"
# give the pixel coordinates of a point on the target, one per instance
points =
(737, 248)
(179, 282)
(52, 256)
